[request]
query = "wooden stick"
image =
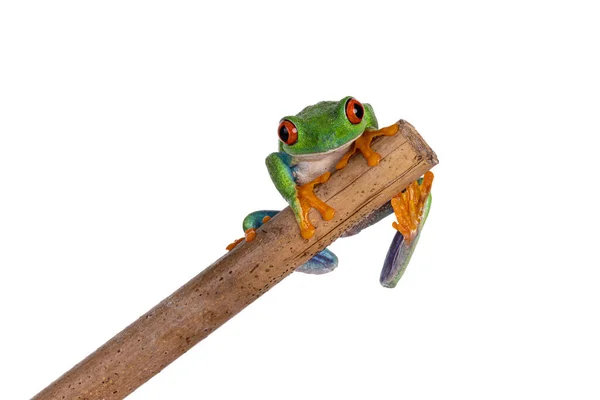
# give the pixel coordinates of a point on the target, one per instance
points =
(223, 289)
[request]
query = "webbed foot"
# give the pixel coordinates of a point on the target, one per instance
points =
(251, 223)
(411, 208)
(363, 144)
(249, 236)
(307, 200)
(409, 205)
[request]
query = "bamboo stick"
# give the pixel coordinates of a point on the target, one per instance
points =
(234, 281)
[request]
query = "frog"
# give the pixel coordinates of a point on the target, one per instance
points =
(313, 144)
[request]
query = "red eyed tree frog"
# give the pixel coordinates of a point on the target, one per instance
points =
(315, 142)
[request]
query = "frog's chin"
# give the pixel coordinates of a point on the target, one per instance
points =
(324, 154)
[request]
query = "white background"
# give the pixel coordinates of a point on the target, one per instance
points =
(132, 144)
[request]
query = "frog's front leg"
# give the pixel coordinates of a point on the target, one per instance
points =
(307, 199)
(301, 198)
(363, 144)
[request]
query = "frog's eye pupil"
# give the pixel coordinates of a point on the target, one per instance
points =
(358, 111)
(354, 111)
(284, 134)
(287, 132)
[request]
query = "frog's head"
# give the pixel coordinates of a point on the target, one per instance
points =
(325, 126)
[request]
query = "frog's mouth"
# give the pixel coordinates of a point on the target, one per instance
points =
(324, 154)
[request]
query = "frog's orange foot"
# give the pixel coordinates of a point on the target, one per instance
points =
(308, 199)
(363, 144)
(408, 207)
(249, 236)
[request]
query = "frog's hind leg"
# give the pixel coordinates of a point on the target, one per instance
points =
(411, 208)
(396, 260)
(321, 263)
(257, 218)
(251, 223)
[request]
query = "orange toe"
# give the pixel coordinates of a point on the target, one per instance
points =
(363, 144)
(231, 246)
(308, 199)
(408, 207)
(250, 234)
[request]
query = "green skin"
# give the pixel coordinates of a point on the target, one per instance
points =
(322, 129)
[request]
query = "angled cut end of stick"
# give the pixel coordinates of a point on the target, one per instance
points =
(223, 289)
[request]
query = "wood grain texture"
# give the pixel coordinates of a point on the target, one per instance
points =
(235, 280)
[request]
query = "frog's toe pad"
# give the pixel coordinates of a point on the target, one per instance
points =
(321, 263)
(410, 207)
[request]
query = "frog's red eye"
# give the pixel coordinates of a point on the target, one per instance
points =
(288, 133)
(354, 111)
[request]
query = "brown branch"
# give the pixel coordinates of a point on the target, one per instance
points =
(223, 289)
